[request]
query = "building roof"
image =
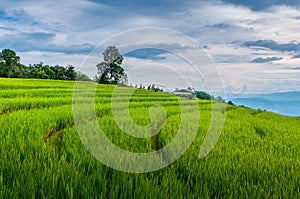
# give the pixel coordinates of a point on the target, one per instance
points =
(184, 91)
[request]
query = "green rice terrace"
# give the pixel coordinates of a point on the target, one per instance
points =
(42, 155)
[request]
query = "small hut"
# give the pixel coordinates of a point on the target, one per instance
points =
(184, 93)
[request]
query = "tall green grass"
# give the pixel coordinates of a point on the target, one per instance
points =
(42, 156)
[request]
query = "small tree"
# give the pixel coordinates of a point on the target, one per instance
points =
(82, 77)
(230, 103)
(110, 70)
(220, 99)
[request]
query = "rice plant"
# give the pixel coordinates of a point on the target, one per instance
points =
(42, 155)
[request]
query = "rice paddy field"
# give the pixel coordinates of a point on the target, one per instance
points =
(42, 155)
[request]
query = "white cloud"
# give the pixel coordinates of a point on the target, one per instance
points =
(210, 23)
(49, 58)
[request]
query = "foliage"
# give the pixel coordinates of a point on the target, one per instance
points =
(153, 88)
(220, 99)
(230, 102)
(10, 67)
(42, 156)
(70, 73)
(203, 95)
(82, 77)
(110, 70)
(9, 62)
(9, 57)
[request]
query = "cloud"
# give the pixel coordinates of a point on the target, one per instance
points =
(296, 56)
(229, 58)
(154, 49)
(147, 53)
(41, 41)
(264, 60)
(39, 36)
(18, 14)
(258, 78)
(296, 68)
(258, 5)
(156, 7)
(223, 26)
(67, 31)
(51, 58)
(7, 28)
(270, 44)
(5, 16)
(169, 5)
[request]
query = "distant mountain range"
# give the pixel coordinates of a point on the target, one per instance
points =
(283, 103)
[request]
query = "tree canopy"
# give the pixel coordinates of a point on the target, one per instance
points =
(110, 70)
(9, 63)
(203, 95)
(10, 66)
(9, 57)
(82, 77)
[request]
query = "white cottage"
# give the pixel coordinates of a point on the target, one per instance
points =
(185, 93)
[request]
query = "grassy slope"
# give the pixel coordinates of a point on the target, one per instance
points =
(257, 155)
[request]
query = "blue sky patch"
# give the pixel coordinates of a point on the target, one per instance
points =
(147, 53)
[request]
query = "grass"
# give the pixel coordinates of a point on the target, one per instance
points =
(42, 156)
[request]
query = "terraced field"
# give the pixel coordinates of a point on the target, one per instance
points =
(42, 155)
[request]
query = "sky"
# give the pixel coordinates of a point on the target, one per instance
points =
(253, 46)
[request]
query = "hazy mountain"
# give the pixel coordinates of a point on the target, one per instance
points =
(283, 103)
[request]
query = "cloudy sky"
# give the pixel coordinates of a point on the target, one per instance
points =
(255, 45)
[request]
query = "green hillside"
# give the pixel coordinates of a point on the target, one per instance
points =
(42, 156)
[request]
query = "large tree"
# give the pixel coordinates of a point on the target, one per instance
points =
(8, 61)
(9, 57)
(110, 70)
(70, 73)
